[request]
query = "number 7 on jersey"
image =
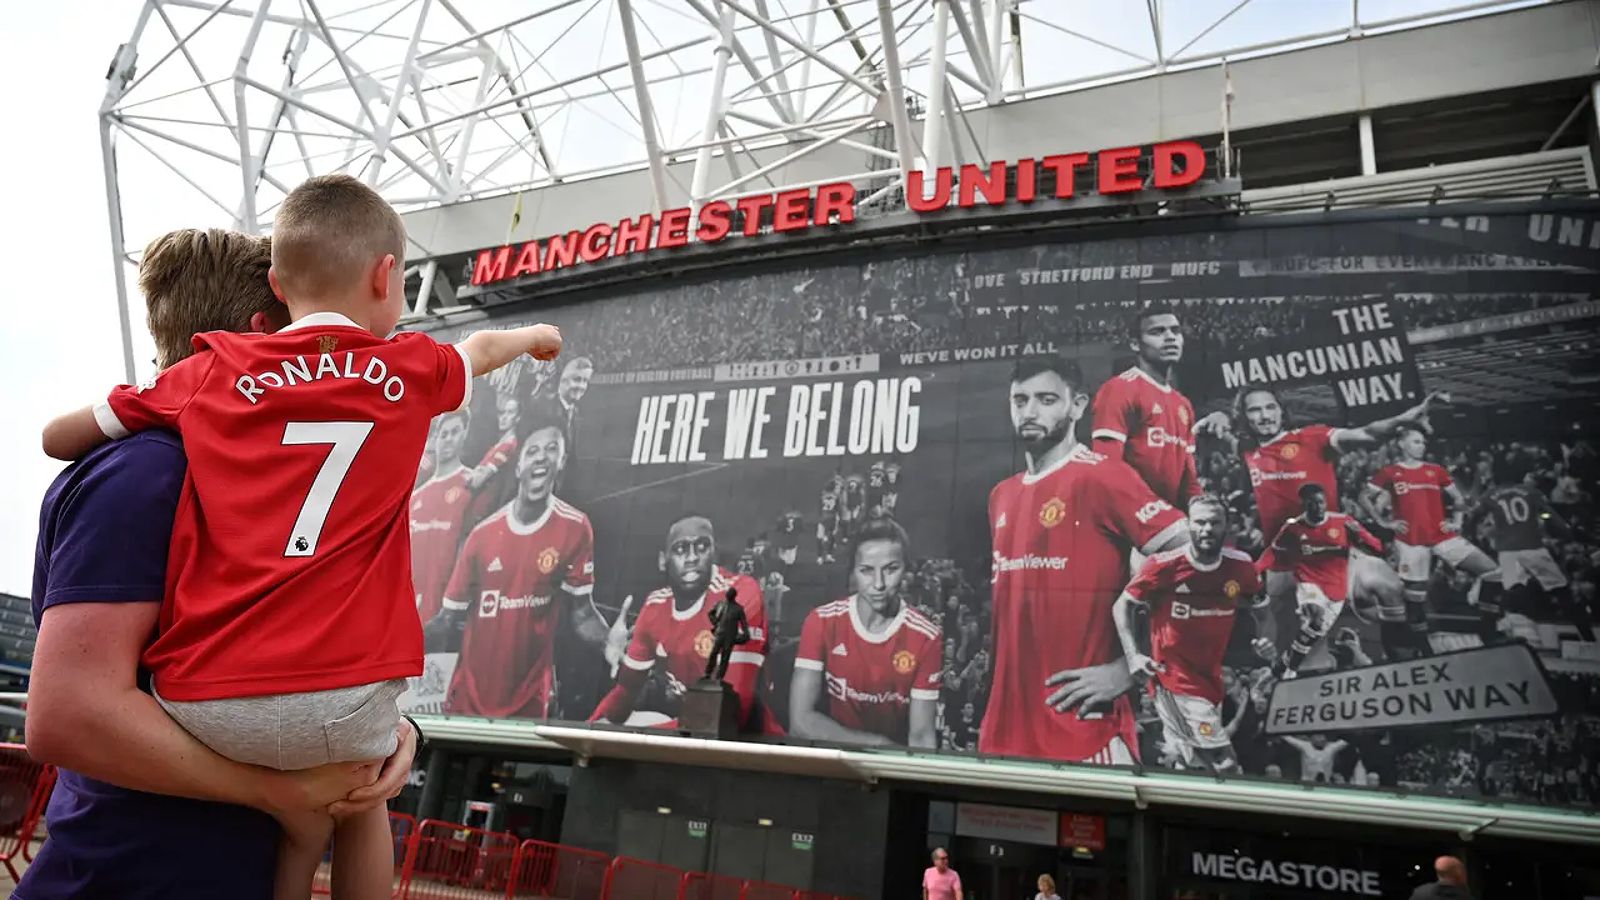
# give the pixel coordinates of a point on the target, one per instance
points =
(346, 438)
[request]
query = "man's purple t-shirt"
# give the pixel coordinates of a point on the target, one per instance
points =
(941, 885)
(103, 534)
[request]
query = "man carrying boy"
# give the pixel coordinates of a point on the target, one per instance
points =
(289, 624)
(99, 570)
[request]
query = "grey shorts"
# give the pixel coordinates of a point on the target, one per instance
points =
(297, 731)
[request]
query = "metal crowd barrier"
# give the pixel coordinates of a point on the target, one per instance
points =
(450, 861)
(706, 886)
(25, 787)
(636, 879)
(558, 872)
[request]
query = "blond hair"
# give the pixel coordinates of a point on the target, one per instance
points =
(328, 233)
(196, 280)
(1047, 884)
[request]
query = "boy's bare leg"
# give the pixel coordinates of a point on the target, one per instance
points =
(305, 838)
(363, 856)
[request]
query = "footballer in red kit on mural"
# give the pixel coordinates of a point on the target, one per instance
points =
(523, 572)
(1062, 531)
(1140, 417)
(672, 638)
(1281, 460)
(876, 658)
(1191, 595)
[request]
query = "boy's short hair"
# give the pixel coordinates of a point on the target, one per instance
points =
(329, 231)
(204, 279)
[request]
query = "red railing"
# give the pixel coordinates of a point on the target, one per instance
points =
(25, 788)
(705, 886)
(450, 861)
(557, 872)
(761, 890)
(636, 879)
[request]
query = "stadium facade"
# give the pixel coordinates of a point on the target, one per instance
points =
(855, 396)
(1401, 215)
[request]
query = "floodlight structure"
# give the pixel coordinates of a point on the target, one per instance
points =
(214, 110)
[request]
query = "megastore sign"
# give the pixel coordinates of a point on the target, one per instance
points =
(1172, 165)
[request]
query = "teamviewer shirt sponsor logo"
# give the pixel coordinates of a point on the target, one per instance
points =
(1030, 561)
(1257, 476)
(840, 689)
(1185, 611)
(491, 603)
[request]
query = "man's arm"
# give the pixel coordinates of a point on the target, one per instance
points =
(1139, 665)
(1363, 536)
(1370, 495)
(633, 668)
(587, 622)
(86, 714)
(489, 350)
(618, 702)
(1113, 418)
(1265, 643)
(1375, 433)
(923, 712)
(1547, 514)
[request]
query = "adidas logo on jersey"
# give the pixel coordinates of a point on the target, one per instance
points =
(1155, 410)
(840, 650)
(494, 565)
(1182, 589)
(1000, 522)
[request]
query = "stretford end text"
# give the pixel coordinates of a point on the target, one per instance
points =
(1173, 164)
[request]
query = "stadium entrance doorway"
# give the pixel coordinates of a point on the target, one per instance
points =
(1001, 870)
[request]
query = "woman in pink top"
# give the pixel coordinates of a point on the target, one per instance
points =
(940, 882)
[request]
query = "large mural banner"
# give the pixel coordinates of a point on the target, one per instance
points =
(1309, 500)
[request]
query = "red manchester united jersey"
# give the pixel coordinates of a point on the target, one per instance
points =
(1281, 465)
(1191, 615)
(290, 563)
(512, 579)
(438, 509)
(1320, 553)
(1418, 493)
(1061, 539)
(681, 640)
(872, 678)
(1151, 426)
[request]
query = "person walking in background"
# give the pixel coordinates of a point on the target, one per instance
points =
(1451, 881)
(940, 882)
(1047, 889)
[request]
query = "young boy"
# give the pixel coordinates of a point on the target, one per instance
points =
(289, 625)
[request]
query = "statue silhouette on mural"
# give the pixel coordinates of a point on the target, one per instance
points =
(728, 630)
